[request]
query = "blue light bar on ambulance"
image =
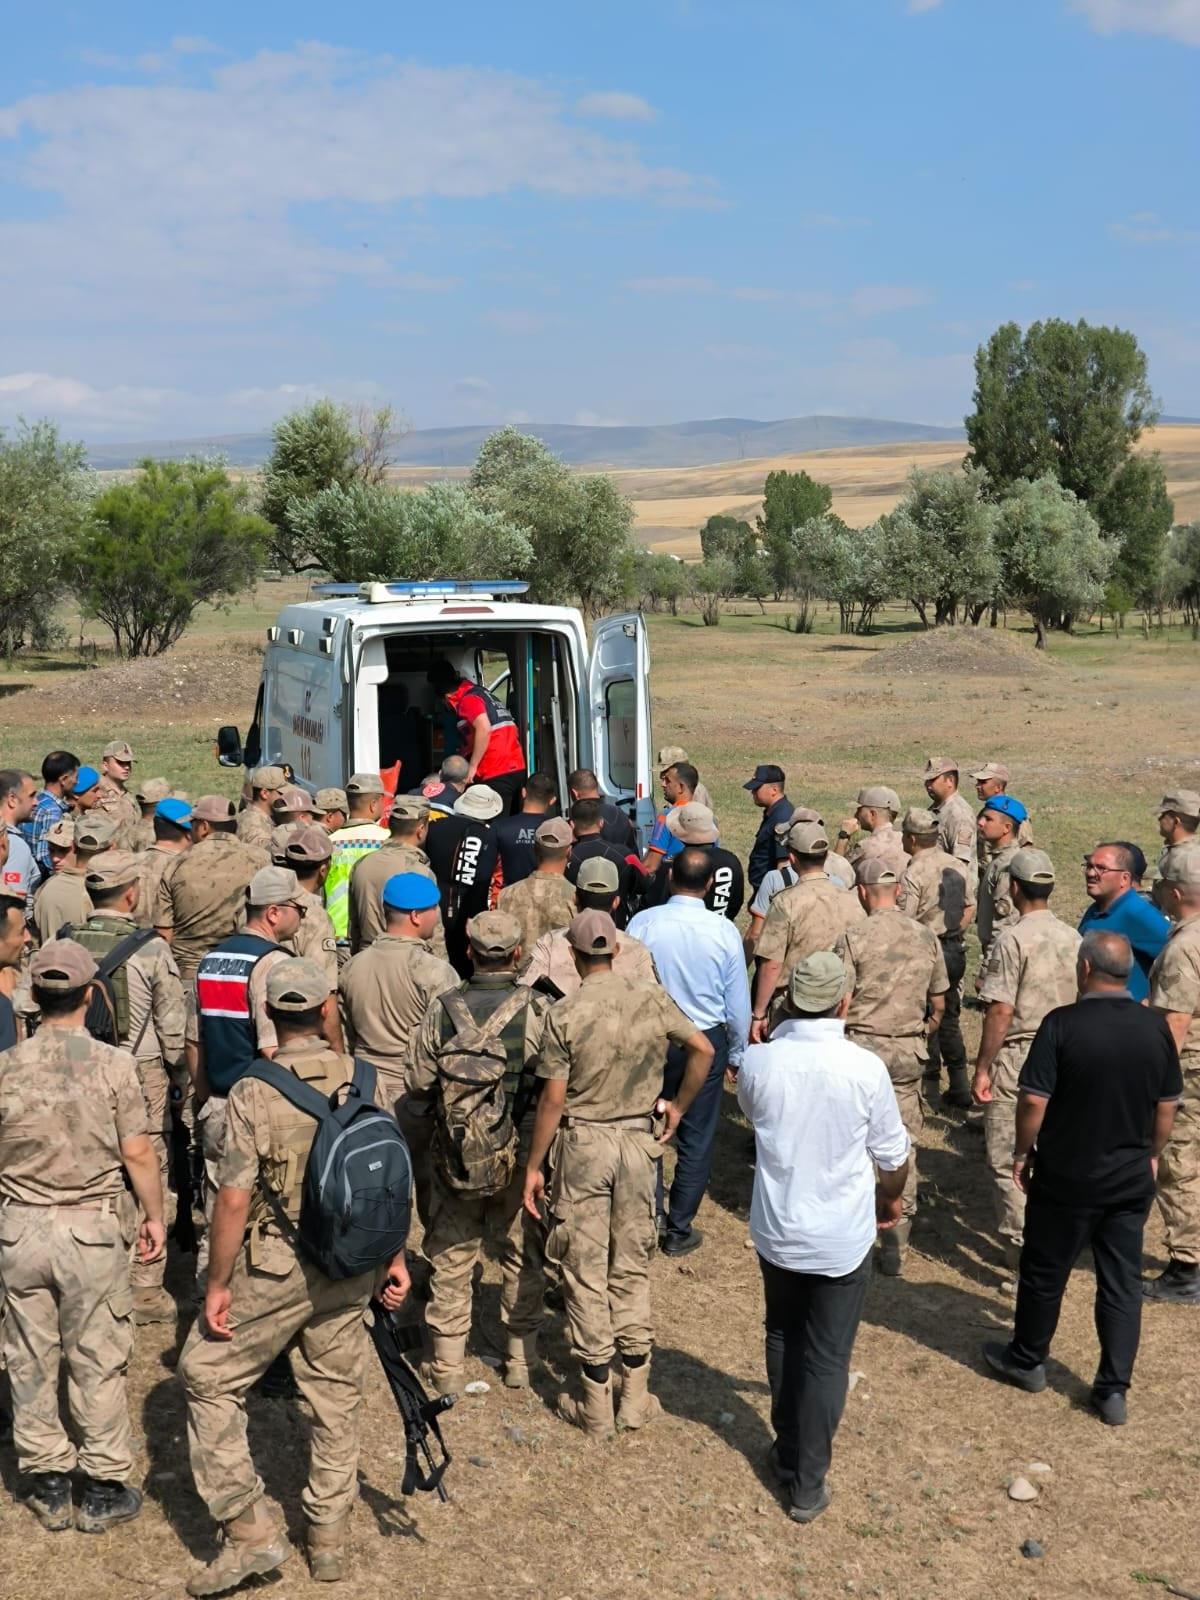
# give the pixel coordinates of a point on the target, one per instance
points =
(434, 589)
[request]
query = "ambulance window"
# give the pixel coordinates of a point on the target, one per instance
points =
(620, 706)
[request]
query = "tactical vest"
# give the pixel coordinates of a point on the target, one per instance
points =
(226, 1016)
(100, 935)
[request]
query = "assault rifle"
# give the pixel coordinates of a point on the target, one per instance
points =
(418, 1412)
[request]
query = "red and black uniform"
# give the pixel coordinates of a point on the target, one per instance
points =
(503, 765)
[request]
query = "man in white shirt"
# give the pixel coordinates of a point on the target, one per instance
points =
(701, 966)
(825, 1118)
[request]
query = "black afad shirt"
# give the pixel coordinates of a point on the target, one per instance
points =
(1103, 1064)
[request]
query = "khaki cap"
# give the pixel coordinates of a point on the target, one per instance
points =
(297, 985)
(365, 783)
(213, 808)
(331, 800)
(479, 802)
(879, 798)
(555, 834)
(273, 886)
(268, 778)
(919, 822)
(991, 769)
(692, 824)
(939, 766)
(1182, 868)
(799, 814)
(118, 750)
(807, 838)
(112, 869)
(1183, 802)
(281, 837)
(593, 933)
(62, 964)
(494, 933)
(1032, 866)
(308, 847)
(818, 982)
(407, 808)
(598, 875)
(151, 790)
(93, 833)
(876, 870)
(292, 798)
(62, 834)
(670, 756)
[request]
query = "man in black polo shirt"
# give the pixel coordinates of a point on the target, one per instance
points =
(766, 790)
(587, 821)
(514, 835)
(1098, 1095)
(614, 824)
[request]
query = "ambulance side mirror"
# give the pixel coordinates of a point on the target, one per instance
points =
(229, 746)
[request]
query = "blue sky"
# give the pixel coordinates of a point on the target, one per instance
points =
(635, 212)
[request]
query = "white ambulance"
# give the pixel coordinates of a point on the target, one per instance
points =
(344, 687)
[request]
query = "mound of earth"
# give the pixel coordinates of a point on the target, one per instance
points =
(956, 651)
(220, 675)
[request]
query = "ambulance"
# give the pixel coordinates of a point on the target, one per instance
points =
(344, 687)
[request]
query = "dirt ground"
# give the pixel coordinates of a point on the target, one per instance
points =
(1093, 736)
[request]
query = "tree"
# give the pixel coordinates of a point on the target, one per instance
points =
(941, 543)
(1137, 510)
(367, 531)
(1055, 561)
(659, 580)
(790, 499)
(727, 536)
(753, 578)
(1182, 575)
(850, 566)
(1063, 400)
(713, 581)
(179, 535)
(45, 501)
(318, 447)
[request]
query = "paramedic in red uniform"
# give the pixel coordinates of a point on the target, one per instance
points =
(491, 740)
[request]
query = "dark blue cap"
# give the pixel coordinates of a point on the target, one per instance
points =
(765, 772)
(410, 891)
(86, 778)
(1007, 806)
(176, 811)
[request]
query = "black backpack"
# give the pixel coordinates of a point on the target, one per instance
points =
(107, 1014)
(357, 1193)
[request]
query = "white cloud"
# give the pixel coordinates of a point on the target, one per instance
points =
(804, 299)
(616, 106)
(425, 283)
(670, 285)
(1169, 19)
(78, 405)
(471, 386)
(872, 299)
(516, 321)
(1147, 227)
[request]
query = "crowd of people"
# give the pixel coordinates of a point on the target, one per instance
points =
(544, 1007)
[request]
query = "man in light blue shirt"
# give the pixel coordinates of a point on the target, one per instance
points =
(699, 958)
(1109, 880)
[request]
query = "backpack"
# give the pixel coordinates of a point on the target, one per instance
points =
(356, 1197)
(474, 1136)
(107, 1015)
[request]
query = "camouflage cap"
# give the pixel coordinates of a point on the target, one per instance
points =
(877, 797)
(670, 756)
(362, 783)
(297, 985)
(112, 869)
(331, 800)
(799, 814)
(692, 824)
(593, 933)
(598, 875)
(62, 964)
(939, 767)
(479, 802)
(1032, 866)
(151, 790)
(494, 933)
(308, 847)
(818, 982)
(95, 832)
(875, 870)
(1183, 869)
(409, 808)
(807, 838)
(281, 837)
(555, 834)
(919, 822)
(213, 808)
(118, 750)
(270, 777)
(1183, 802)
(273, 886)
(991, 769)
(62, 834)
(292, 798)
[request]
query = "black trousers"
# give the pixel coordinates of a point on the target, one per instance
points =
(946, 1046)
(811, 1324)
(694, 1137)
(508, 786)
(1055, 1234)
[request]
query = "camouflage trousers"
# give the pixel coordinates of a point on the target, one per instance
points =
(1179, 1175)
(279, 1303)
(1000, 1138)
(459, 1226)
(603, 1235)
(907, 1060)
(65, 1271)
(210, 1130)
(946, 1047)
(156, 1092)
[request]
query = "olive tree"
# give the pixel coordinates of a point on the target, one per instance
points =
(1055, 562)
(45, 503)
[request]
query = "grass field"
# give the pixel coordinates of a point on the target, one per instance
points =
(1094, 732)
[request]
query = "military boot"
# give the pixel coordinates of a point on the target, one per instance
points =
(326, 1547)
(958, 1093)
(893, 1247)
(105, 1503)
(519, 1360)
(444, 1369)
(251, 1545)
(48, 1496)
(638, 1406)
(153, 1305)
(594, 1413)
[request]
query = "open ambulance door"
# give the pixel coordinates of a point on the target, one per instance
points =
(619, 701)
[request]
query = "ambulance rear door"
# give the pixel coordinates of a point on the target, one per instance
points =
(619, 705)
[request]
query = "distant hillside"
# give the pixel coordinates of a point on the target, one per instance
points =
(674, 444)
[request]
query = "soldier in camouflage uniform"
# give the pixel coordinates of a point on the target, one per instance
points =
(292, 807)
(202, 893)
(1175, 990)
(332, 808)
(147, 794)
(460, 1222)
(992, 779)
(408, 827)
(1178, 820)
(957, 833)
(62, 900)
(938, 890)
(875, 819)
(307, 852)
(552, 967)
(998, 825)
(545, 900)
(113, 797)
(601, 1067)
(254, 821)
(898, 984)
(71, 1118)
(172, 834)
(1030, 970)
(810, 915)
(260, 1285)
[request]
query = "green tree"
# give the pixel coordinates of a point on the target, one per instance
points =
(1137, 510)
(45, 502)
(177, 536)
(727, 536)
(942, 545)
(1063, 399)
(659, 580)
(367, 531)
(1055, 561)
(790, 499)
(712, 582)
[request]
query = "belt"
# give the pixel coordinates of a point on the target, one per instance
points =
(889, 1038)
(108, 1203)
(635, 1124)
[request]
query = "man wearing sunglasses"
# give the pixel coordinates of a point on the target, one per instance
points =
(1117, 907)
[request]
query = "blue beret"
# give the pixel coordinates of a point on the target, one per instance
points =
(86, 778)
(1007, 806)
(410, 891)
(176, 811)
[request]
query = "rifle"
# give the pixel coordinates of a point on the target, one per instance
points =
(418, 1412)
